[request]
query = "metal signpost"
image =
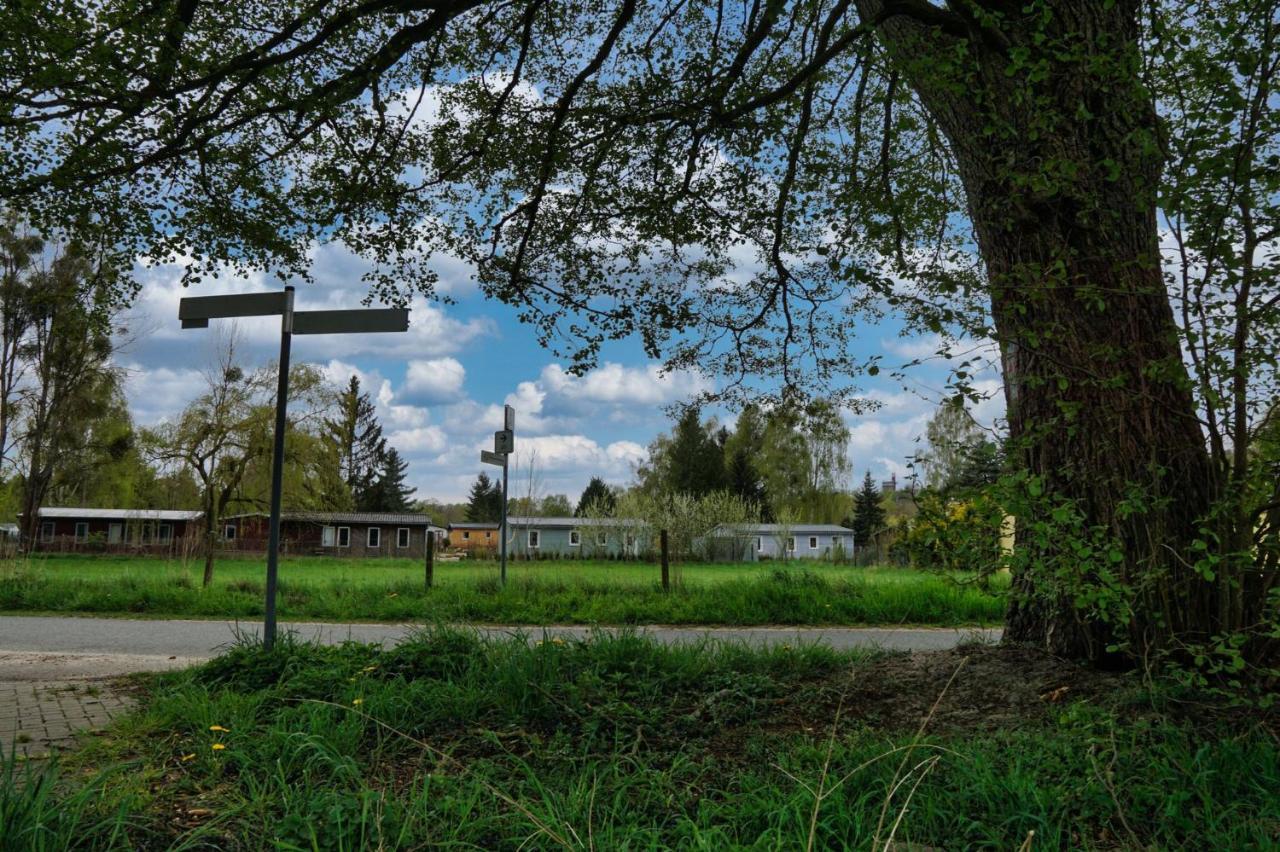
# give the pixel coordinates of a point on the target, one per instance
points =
(504, 444)
(196, 311)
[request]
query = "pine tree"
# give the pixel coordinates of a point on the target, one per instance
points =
(868, 515)
(358, 436)
(745, 481)
(484, 503)
(389, 493)
(696, 459)
(597, 498)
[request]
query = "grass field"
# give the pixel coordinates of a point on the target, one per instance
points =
(536, 593)
(453, 742)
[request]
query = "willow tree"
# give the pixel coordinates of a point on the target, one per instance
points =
(737, 185)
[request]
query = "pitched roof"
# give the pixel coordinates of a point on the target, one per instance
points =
(789, 529)
(122, 514)
(475, 525)
(404, 519)
(570, 523)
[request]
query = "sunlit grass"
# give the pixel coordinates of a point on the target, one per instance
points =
(536, 592)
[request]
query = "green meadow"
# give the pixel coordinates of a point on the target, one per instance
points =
(542, 592)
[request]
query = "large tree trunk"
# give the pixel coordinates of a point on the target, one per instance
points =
(1059, 158)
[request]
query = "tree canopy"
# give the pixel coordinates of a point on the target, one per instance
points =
(737, 186)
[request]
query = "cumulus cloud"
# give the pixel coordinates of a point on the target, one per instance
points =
(433, 381)
(614, 383)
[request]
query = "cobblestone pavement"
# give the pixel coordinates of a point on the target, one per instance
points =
(39, 717)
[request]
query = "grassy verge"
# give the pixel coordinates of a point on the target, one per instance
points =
(450, 741)
(537, 592)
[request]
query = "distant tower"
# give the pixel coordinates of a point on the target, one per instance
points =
(889, 485)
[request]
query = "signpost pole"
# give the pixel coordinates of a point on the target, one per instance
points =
(503, 573)
(277, 472)
(196, 311)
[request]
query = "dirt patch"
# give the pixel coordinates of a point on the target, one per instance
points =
(982, 688)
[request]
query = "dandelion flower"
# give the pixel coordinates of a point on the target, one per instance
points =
(219, 729)
(218, 747)
(358, 702)
(187, 757)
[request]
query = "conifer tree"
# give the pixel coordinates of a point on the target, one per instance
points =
(484, 503)
(358, 436)
(389, 493)
(868, 515)
(597, 497)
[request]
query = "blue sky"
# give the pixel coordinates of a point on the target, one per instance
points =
(440, 387)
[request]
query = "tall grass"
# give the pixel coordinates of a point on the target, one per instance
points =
(538, 593)
(454, 741)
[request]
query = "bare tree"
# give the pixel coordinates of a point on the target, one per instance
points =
(218, 437)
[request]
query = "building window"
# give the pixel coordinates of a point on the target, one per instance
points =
(835, 541)
(344, 536)
(466, 536)
(82, 531)
(759, 544)
(488, 535)
(535, 538)
(228, 532)
(148, 533)
(575, 538)
(602, 539)
(402, 537)
(813, 542)
(629, 541)
(791, 544)
(46, 531)
(374, 537)
(328, 535)
(115, 533)
(166, 533)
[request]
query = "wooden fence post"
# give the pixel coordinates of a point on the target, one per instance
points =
(666, 563)
(431, 557)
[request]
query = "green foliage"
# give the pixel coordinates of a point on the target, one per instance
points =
(597, 500)
(868, 520)
(485, 500)
(362, 450)
(388, 492)
(958, 534)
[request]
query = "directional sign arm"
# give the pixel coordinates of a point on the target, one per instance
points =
(492, 458)
(194, 309)
(351, 322)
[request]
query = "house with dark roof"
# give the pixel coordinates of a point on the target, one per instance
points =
(71, 530)
(347, 534)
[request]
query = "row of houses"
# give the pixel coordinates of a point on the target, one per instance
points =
(374, 534)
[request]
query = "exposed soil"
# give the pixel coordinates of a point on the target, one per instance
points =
(975, 687)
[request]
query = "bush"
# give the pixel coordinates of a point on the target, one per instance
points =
(956, 534)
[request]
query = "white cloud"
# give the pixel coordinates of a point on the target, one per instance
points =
(433, 381)
(615, 383)
(424, 439)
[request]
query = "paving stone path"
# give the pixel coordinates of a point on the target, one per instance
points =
(41, 717)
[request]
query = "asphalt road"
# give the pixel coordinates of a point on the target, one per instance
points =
(33, 647)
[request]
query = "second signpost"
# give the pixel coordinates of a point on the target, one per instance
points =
(504, 444)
